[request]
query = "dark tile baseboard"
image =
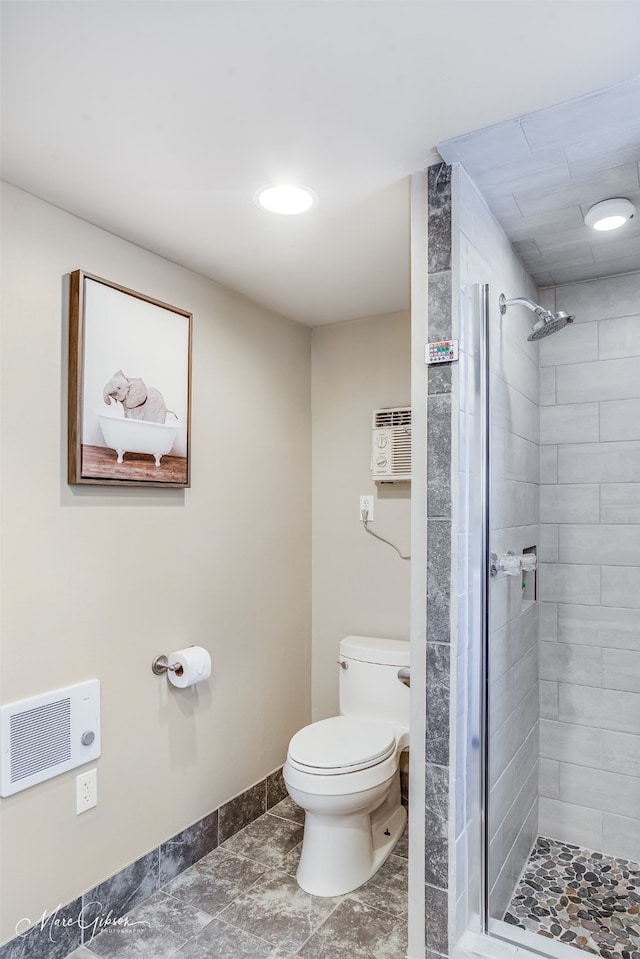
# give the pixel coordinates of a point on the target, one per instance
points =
(59, 933)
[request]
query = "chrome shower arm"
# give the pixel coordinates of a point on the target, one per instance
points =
(523, 301)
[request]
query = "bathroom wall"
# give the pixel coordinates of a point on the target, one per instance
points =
(484, 255)
(360, 585)
(96, 581)
(590, 580)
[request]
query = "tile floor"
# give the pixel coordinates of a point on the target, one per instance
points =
(241, 901)
(580, 897)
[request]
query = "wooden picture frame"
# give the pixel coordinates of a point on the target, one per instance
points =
(129, 408)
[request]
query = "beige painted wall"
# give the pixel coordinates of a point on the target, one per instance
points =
(359, 584)
(95, 582)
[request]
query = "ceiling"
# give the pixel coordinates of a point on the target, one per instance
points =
(541, 173)
(158, 121)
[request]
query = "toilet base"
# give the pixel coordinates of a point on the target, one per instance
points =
(340, 853)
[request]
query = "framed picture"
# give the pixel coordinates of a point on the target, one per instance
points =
(129, 387)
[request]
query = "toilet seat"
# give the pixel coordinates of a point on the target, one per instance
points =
(342, 744)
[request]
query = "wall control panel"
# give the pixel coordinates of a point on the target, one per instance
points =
(446, 351)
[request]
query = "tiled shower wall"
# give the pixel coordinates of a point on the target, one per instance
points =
(590, 578)
(485, 256)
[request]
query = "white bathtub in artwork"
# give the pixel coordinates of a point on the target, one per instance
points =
(137, 436)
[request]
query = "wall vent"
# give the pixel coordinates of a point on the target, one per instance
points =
(391, 445)
(46, 735)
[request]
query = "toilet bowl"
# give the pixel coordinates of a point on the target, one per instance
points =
(344, 771)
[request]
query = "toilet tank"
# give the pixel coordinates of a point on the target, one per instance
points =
(369, 684)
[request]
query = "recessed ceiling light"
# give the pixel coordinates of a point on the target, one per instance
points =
(286, 199)
(610, 214)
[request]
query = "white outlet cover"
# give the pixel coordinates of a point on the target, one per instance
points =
(86, 791)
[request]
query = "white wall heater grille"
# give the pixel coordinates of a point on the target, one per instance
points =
(46, 735)
(391, 445)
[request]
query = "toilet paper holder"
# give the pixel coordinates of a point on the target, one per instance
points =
(161, 665)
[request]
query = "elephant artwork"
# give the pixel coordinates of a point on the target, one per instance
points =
(140, 402)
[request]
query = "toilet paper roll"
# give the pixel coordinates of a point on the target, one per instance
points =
(194, 665)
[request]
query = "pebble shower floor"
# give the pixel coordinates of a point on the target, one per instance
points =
(580, 897)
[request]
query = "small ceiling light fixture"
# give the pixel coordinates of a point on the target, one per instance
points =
(610, 214)
(286, 199)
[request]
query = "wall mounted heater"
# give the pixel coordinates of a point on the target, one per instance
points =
(391, 445)
(46, 735)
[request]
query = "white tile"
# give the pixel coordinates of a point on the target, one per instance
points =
(609, 792)
(566, 583)
(512, 411)
(620, 585)
(620, 503)
(548, 622)
(521, 459)
(548, 700)
(547, 385)
(525, 675)
(604, 380)
(621, 670)
(548, 543)
(527, 503)
(600, 626)
(620, 419)
(549, 464)
(568, 823)
(549, 778)
(574, 423)
(560, 662)
(619, 337)
(600, 545)
(580, 345)
(621, 837)
(602, 708)
(621, 753)
(570, 503)
(597, 463)
(601, 299)
(612, 182)
(571, 743)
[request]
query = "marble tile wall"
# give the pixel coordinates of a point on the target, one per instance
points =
(590, 580)
(59, 933)
(439, 560)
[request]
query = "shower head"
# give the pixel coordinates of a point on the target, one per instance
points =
(547, 322)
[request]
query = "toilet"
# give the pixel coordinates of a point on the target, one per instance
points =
(344, 771)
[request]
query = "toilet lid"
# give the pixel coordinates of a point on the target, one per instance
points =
(341, 744)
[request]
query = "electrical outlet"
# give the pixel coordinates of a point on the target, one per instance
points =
(366, 503)
(86, 791)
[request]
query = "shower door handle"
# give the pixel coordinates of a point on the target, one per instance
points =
(404, 675)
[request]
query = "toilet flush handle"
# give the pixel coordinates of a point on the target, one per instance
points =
(404, 675)
(343, 663)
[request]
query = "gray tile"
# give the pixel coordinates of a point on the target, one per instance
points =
(621, 670)
(438, 580)
(579, 345)
(620, 502)
(218, 940)
(278, 910)
(570, 503)
(155, 930)
(439, 218)
(267, 840)
(569, 823)
(607, 792)
(549, 464)
(80, 953)
(620, 419)
(436, 919)
(276, 789)
(613, 709)
(620, 585)
(357, 931)
(291, 861)
(438, 702)
(54, 938)
(602, 626)
(548, 699)
(188, 846)
(600, 545)
(439, 306)
(439, 379)
(619, 337)
(604, 380)
(575, 423)
(288, 809)
(621, 836)
(129, 887)
(601, 299)
(569, 583)
(437, 825)
(439, 456)
(215, 881)
(242, 810)
(599, 463)
(387, 889)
